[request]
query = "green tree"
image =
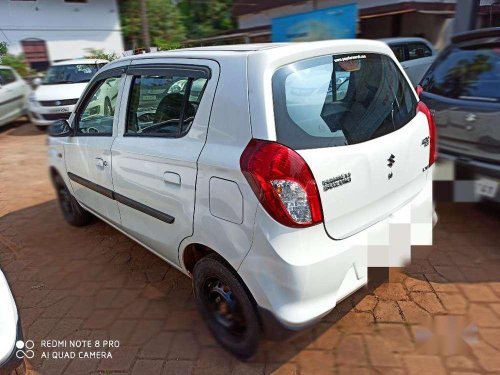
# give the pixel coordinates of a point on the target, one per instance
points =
(3, 48)
(165, 23)
(100, 54)
(17, 62)
(206, 18)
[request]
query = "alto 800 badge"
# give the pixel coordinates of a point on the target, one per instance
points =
(334, 182)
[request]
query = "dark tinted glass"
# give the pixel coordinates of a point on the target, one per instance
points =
(163, 106)
(418, 51)
(6, 76)
(371, 99)
(465, 73)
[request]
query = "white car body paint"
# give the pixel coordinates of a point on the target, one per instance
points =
(13, 97)
(8, 321)
(297, 274)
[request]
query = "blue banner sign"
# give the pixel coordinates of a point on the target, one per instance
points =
(332, 23)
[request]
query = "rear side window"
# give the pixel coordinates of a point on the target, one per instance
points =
(340, 100)
(6, 76)
(163, 106)
(418, 51)
(466, 73)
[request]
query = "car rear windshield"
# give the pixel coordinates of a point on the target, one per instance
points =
(469, 73)
(371, 99)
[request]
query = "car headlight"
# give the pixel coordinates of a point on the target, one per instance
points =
(32, 98)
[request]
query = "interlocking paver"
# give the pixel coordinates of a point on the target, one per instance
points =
(439, 315)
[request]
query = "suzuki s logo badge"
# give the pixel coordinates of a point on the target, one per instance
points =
(58, 102)
(426, 141)
(389, 176)
(391, 161)
(470, 117)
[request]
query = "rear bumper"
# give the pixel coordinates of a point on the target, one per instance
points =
(467, 170)
(298, 276)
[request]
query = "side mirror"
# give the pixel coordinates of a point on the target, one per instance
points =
(60, 128)
(36, 82)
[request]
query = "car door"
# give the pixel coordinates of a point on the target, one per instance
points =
(419, 57)
(12, 95)
(88, 151)
(155, 153)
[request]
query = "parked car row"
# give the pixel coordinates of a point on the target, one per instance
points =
(54, 96)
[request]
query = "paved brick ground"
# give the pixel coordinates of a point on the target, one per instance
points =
(441, 315)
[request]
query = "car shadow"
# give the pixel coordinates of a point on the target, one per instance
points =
(20, 127)
(64, 277)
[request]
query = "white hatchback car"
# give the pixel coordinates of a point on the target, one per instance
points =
(57, 93)
(211, 162)
(14, 92)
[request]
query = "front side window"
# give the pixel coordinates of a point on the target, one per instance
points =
(77, 73)
(340, 100)
(163, 105)
(418, 51)
(6, 76)
(466, 73)
(96, 117)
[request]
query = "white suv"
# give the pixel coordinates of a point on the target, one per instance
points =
(211, 161)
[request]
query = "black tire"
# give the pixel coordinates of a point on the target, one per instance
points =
(41, 128)
(235, 325)
(73, 213)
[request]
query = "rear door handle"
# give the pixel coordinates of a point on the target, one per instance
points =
(172, 178)
(100, 162)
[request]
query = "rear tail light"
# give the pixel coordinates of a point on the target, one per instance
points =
(283, 183)
(421, 107)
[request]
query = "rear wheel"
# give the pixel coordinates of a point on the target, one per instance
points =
(226, 307)
(73, 213)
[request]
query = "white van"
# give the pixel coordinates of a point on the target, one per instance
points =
(258, 170)
(57, 93)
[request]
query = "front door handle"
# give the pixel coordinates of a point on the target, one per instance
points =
(172, 178)
(100, 162)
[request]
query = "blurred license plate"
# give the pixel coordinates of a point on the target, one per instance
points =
(60, 110)
(486, 188)
(149, 97)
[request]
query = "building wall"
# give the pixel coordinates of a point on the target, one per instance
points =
(69, 29)
(264, 18)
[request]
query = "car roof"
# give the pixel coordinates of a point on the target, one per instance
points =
(244, 50)
(80, 61)
(404, 40)
(490, 32)
(5, 67)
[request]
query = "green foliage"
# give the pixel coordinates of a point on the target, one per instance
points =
(164, 18)
(18, 63)
(171, 24)
(3, 49)
(206, 18)
(99, 54)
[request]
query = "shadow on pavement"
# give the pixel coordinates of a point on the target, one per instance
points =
(96, 282)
